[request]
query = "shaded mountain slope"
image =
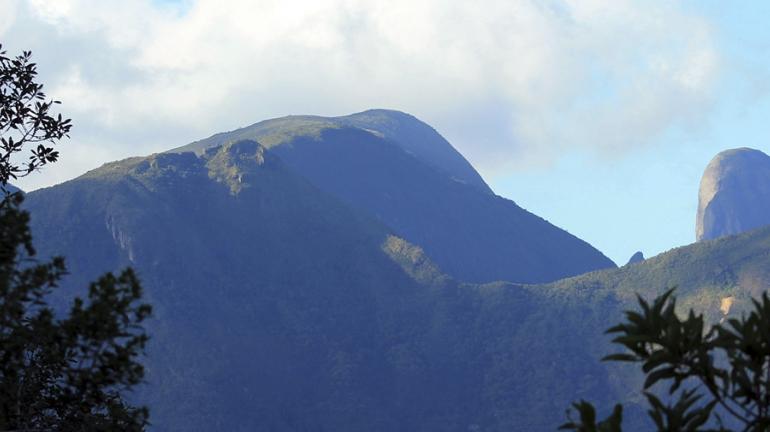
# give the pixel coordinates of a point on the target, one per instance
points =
(399, 170)
(401, 129)
(734, 194)
(12, 189)
(279, 308)
(269, 296)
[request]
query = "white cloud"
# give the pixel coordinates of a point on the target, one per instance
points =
(511, 82)
(8, 11)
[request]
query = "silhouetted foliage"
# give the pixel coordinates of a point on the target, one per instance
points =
(716, 377)
(25, 118)
(63, 373)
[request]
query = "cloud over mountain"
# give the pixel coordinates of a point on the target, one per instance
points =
(512, 83)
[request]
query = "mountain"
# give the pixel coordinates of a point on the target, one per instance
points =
(400, 129)
(718, 278)
(270, 297)
(637, 257)
(705, 274)
(402, 172)
(12, 189)
(279, 307)
(734, 194)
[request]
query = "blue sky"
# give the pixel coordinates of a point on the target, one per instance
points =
(646, 200)
(599, 115)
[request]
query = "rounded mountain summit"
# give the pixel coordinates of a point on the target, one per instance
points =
(734, 194)
(403, 173)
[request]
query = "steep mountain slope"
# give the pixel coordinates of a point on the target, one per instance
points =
(734, 194)
(267, 293)
(279, 308)
(402, 172)
(401, 129)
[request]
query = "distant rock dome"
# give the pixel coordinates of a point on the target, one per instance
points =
(636, 258)
(734, 194)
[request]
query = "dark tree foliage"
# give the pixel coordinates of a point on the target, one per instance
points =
(716, 378)
(58, 372)
(64, 374)
(25, 119)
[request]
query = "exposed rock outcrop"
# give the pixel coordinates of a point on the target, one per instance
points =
(734, 194)
(636, 258)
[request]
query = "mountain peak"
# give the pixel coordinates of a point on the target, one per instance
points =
(398, 128)
(398, 169)
(636, 258)
(383, 111)
(418, 139)
(734, 194)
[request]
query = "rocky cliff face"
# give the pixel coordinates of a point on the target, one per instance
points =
(734, 194)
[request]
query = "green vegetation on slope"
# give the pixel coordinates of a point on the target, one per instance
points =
(278, 307)
(705, 274)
